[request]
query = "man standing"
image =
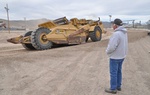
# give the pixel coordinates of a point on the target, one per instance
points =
(116, 50)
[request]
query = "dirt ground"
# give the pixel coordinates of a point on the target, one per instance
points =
(72, 70)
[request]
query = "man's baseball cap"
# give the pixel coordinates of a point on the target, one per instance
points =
(118, 22)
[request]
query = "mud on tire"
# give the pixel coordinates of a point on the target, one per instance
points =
(38, 41)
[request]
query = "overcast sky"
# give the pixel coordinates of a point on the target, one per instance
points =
(138, 10)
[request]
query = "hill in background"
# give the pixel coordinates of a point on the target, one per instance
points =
(22, 24)
(32, 24)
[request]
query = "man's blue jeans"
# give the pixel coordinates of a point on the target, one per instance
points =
(115, 73)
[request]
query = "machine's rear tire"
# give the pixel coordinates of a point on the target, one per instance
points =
(96, 35)
(28, 46)
(38, 39)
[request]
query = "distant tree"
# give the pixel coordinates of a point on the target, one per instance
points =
(148, 24)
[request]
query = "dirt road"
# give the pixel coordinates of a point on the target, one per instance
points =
(72, 70)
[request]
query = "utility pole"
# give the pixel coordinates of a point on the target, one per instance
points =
(133, 23)
(25, 24)
(7, 17)
(110, 19)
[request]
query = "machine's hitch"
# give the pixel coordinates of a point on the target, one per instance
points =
(15, 40)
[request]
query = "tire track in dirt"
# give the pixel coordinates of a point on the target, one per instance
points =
(74, 70)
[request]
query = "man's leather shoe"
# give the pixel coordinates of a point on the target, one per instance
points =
(111, 91)
(119, 89)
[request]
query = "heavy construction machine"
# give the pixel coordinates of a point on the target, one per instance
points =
(60, 31)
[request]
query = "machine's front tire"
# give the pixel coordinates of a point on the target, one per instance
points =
(96, 35)
(86, 38)
(28, 46)
(38, 39)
